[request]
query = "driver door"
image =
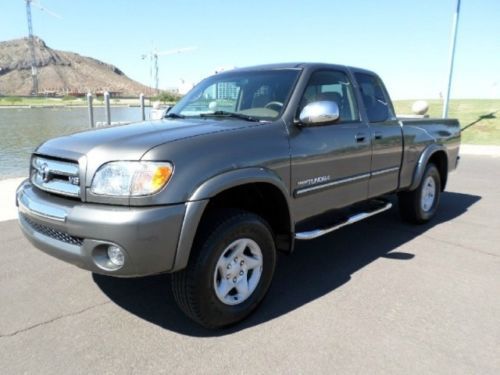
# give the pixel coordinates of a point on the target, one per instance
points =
(330, 163)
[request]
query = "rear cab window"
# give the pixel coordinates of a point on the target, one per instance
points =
(375, 98)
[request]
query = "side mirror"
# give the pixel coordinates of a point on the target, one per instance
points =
(319, 113)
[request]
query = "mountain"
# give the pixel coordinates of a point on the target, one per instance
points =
(59, 72)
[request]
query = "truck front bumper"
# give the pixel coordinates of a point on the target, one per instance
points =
(81, 233)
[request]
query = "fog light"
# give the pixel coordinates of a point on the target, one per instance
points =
(116, 256)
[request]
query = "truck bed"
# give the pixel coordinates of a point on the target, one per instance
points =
(418, 134)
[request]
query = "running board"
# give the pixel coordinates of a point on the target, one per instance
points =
(315, 233)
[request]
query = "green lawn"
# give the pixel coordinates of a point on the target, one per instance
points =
(479, 118)
(39, 101)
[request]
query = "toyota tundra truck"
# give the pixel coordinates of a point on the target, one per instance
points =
(249, 162)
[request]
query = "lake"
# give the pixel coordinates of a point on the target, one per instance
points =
(22, 130)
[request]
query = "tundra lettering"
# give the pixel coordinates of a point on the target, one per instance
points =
(314, 181)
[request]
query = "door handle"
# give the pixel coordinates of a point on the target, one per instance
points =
(378, 135)
(360, 137)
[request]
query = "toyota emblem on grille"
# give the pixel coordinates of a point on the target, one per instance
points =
(45, 172)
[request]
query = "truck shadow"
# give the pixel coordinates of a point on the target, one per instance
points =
(315, 269)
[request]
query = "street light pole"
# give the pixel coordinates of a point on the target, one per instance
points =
(452, 58)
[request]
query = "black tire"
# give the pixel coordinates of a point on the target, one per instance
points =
(411, 207)
(194, 288)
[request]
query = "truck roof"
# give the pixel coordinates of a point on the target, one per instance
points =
(299, 65)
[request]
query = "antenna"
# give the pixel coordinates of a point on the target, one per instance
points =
(153, 55)
(31, 42)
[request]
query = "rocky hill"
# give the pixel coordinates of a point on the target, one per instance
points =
(59, 72)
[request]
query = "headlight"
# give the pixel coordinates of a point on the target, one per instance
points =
(131, 178)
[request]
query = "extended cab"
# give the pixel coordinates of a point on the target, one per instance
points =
(248, 162)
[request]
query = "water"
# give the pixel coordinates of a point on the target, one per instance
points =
(22, 130)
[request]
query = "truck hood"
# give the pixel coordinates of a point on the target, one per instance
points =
(130, 142)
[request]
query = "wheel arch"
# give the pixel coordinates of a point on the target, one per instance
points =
(257, 190)
(437, 155)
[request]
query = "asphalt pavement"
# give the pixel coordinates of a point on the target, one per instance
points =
(377, 297)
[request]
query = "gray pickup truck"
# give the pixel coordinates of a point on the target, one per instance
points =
(248, 162)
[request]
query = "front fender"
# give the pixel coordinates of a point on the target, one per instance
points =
(198, 200)
(227, 180)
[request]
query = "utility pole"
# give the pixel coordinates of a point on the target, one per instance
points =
(31, 42)
(157, 90)
(452, 58)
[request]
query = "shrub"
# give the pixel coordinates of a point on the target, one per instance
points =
(166, 97)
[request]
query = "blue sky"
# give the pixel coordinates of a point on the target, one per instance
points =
(406, 42)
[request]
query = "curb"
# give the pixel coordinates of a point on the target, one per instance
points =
(8, 209)
(483, 150)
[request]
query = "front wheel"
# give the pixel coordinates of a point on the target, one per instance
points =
(230, 269)
(420, 205)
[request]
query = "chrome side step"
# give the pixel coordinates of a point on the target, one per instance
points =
(315, 233)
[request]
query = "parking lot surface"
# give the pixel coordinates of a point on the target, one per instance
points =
(379, 296)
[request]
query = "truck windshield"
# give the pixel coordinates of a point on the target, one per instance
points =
(250, 95)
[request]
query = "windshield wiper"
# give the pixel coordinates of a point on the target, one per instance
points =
(173, 115)
(240, 116)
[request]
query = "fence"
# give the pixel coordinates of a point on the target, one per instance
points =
(107, 108)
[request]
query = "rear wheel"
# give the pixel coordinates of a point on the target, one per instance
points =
(230, 269)
(421, 204)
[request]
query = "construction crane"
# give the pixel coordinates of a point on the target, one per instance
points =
(153, 56)
(31, 42)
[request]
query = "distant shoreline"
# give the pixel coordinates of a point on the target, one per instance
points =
(33, 106)
(27, 102)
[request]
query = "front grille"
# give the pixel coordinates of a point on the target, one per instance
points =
(56, 176)
(52, 233)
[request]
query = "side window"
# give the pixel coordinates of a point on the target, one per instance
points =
(374, 98)
(334, 86)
